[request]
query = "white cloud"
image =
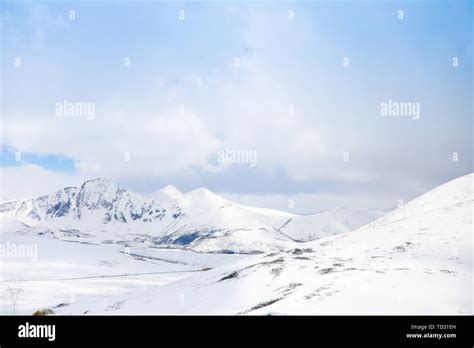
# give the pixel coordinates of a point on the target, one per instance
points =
(32, 181)
(157, 144)
(244, 108)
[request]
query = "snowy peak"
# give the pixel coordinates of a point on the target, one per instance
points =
(204, 196)
(166, 194)
(454, 193)
(96, 203)
(98, 184)
(171, 191)
(203, 201)
(98, 193)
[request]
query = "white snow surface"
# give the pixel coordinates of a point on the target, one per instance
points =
(415, 260)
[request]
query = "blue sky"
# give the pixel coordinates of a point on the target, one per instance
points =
(9, 157)
(283, 62)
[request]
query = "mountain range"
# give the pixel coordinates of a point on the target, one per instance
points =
(417, 259)
(100, 212)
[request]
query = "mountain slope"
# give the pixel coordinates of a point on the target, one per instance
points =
(417, 260)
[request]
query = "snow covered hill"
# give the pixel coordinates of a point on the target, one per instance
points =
(417, 260)
(101, 212)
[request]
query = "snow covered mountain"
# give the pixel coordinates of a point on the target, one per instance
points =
(416, 260)
(101, 212)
